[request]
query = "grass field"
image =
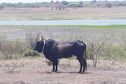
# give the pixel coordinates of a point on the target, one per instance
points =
(115, 33)
(47, 13)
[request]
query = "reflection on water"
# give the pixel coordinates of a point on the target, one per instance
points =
(64, 22)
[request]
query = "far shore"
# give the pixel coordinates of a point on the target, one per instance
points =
(67, 14)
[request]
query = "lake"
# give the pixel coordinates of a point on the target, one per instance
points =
(63, 22)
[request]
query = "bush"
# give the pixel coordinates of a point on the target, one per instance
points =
(30, 40)
(11, 49)
(31, 53)
(16, 48)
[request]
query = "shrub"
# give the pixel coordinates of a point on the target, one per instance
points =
(11, 49)
(31, 53)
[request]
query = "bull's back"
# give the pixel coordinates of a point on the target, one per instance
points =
(64, 50)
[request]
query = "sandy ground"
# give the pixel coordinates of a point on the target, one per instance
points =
(36, 71)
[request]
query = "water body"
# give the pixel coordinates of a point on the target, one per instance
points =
(63, 22)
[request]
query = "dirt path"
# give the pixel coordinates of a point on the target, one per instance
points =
(36, 71)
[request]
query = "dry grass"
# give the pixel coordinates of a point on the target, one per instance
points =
(36, 71)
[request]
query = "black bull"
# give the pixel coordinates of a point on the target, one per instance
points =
(54, 51)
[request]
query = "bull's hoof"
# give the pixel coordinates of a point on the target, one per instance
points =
(81, 72)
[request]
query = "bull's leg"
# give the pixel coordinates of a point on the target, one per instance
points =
(84, 64)
(80, 68)
(56, 69)
(56, 66)
(80, 65)
(53, 67)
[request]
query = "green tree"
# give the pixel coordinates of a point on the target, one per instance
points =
(1, 7)
(65, 2)
(81, 4)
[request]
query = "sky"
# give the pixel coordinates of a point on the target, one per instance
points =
(27, 1)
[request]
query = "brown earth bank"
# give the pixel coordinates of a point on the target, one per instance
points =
(70, 13)
(36, 71)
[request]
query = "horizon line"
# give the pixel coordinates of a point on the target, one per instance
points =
(67, 1)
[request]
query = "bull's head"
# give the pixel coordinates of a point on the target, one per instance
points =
(39, 45)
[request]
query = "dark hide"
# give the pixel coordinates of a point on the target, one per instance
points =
(54, 51)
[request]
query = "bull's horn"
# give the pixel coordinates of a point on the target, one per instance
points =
(39, 38)
(42, 38)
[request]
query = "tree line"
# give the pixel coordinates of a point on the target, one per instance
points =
(64, 4)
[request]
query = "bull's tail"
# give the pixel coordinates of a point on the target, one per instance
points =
(84, 54)
(85, 57)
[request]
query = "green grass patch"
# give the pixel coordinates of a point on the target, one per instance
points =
(90, 26)
(66, 26)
